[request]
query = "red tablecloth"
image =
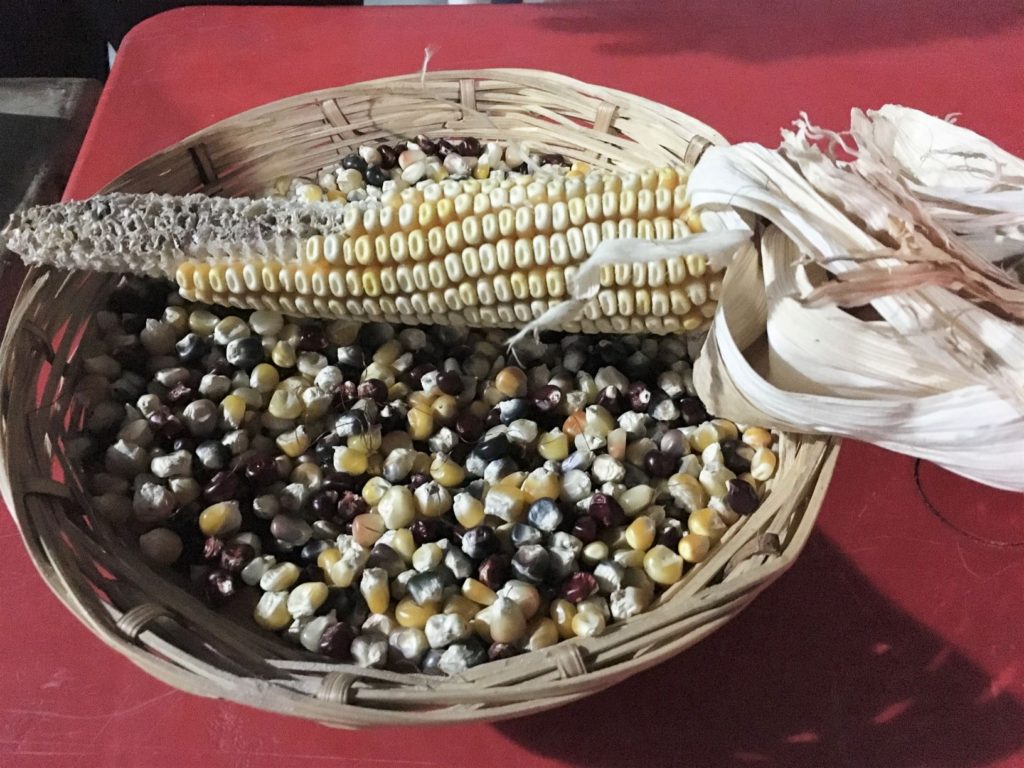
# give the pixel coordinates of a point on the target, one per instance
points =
(894, 640)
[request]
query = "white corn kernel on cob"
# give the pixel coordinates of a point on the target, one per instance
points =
(487, 253)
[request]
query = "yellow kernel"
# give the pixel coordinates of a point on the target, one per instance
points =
(264, 378)
(694, 547)
(664, 566)
(374, 490)
(374, 588)
(469, 510)
(294, 442)
(640, 533)
(588, 623)
(553, 445)
(478, 592)
(327, 558)
(350, 460)
(409, 613)
(283, 354)
(687, 491)
(220, 519)
(403, 543)
(271, 612)
(757, 437)
(541, 484)
(232, 411)
(542, 632)
(447, 472)
(511, 382)
(706, 522)
(762, 466)
(563, 612)
(421, 423)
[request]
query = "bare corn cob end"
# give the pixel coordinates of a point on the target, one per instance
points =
(485, 253)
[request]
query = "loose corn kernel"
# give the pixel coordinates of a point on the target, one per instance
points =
(640, 533)
(374, 490)
(220, 519)
(553, 445)
(271, 611)
(367, 528)
(563, 613)
(687, 492)
(664, 566)
(447, 472)
(421, 424)
(409, 613)
(402, 541)
(285, 404)
(232, 411)
(478, 592)
(694, 547)
(295, 442)
(264, 378)
(349, 460)
(511, 382)
(468, 510)
(505, 502)
(397, 507)
(587, 624)
(762, 466)
(283, 354)
(307, 598)
(574, 424)
(374, 589)
(542, 632)
(726, 429)
(756, 437)
(327, 558)
(706, 522)
(541, 484)
(706, 434)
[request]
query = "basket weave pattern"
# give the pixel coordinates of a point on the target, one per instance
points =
(161, 627)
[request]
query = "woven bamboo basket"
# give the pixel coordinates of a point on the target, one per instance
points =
(172, 635)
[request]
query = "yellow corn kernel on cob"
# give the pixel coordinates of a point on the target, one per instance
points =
(487, 253)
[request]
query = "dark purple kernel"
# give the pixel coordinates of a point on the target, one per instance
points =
(427, 529)
(261, 470)
(606, 510)
(495, 570)
(212, 548)
(235, 556)
(585, 529)
(223, 486)
(450, 383)
(336, 641)
(638, 395)
(388, 156)
(578, 587)
(220, 586)
(610, 399)
(311, 339)
(373, 389)
(660, 464)
(741, 498)
(469, 427)
(692, 412)
(669, 536)
(547, 399)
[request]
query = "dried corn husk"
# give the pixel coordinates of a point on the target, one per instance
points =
(924, 222)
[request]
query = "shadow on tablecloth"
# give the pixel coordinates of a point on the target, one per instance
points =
(758, 31)
(845, 681)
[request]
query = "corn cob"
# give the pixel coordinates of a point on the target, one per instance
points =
(488, 253)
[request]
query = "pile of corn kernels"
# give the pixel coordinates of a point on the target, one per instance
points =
(408, 498)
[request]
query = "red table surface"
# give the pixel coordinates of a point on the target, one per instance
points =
(894, 639)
